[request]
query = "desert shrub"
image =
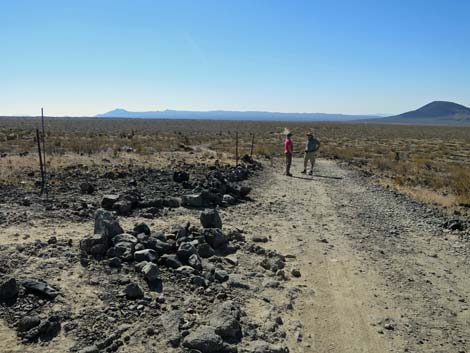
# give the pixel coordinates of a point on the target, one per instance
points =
(428, 155)
(459, 182)
(383, 164)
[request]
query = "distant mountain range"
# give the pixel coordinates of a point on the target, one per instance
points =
(434, 113)
(233, 115)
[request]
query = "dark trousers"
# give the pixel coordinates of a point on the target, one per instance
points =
(288, 162)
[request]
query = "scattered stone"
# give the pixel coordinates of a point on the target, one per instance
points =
(146, 255)
(95, 245)
(27, 323)
(142, 228)
(45, 330)
(211, 219)
(205, 250)
(172, 202)
(204, 339)
(139, 247)
(193, 200)
(90, 349)
(221, 275)
(229, 199)
(237, 281)
(154, 203)
(454, 224)
(247, 159)
(274, 264)
(106, 224)
(40, 288)
(26, 201)
(150, 272)
(243, 190)
(121, 272)
(124, 237)
(161, 247)
(232, 260)
(115, 262)
(215, 237)
(124, 250)
(108, 201)
(281, 274)
(134, 291)
(143, 238)
(260, 239)
(186, 269)
(140, 265)
(123, 207)
(225, 321)
(87, 188)
(171, 261)
(295, 272)
(195, 262)
(263, 347)
(8, 289)
(269, 283)
(185, 250)
(180, 177)
(277, 263)
(199, 281)
(265, 264)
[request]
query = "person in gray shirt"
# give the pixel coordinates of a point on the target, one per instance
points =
(311, 147)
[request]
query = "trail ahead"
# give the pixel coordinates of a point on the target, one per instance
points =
(379, 274)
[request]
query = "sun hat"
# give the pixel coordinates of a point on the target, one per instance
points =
(286, 132)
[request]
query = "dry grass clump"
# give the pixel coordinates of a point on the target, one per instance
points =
(459, 182)
(430, 158)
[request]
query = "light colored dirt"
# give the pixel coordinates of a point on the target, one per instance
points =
(336, 308)
(358, 272)
(367, 257)
(11, 344)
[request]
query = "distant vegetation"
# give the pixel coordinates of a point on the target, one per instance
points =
(428, 161)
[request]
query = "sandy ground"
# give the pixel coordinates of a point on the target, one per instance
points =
(378, 273)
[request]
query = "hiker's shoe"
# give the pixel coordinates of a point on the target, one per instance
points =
(288, 174)
(310, 172)
(303, 171)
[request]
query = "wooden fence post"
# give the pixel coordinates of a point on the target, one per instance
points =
(38, 138)
(44, 152)
(236, 148)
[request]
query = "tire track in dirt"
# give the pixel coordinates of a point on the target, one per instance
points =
(377, 274)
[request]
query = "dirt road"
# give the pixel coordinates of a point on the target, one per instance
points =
(378, 273)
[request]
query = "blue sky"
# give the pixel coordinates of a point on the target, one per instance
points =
(87, 57)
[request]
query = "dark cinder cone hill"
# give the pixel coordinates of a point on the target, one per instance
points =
(434, 113)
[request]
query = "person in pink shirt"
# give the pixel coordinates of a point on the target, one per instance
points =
(288, 151)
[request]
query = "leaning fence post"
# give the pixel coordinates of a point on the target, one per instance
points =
(44, 152)
(40, 160)
(252, 144)
(236, 148)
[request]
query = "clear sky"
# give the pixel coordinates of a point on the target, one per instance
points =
(351, 56)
